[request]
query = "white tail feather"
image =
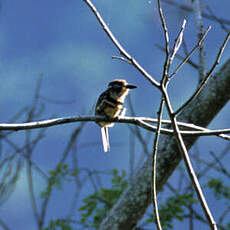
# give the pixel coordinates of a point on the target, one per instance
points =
(105, 138)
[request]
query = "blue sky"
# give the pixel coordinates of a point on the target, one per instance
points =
(62, 41)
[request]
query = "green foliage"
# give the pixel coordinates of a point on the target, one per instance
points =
(56, 178)
(99, 203)
(220, 190)
(173, 208)
(59, 224)
(227, 226)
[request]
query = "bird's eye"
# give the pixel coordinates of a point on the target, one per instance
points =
(118, 87)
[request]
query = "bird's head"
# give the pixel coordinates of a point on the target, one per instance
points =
(120, 87)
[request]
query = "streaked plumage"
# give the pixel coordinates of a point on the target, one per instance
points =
(110, 104)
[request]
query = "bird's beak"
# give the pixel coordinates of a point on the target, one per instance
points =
(131, 86)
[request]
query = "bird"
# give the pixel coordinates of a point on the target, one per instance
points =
(110, 104)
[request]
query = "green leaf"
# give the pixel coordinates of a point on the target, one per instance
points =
(220, 190)
(173, 208)
(56, 177)
(59, 224)
(99, 203)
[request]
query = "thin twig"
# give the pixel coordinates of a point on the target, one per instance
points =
(119, 46)
(223, 169)
(177, 42)
(29, 151)
(71, 142)
(122, 59)
(132, 148)
(190, 9)
(3, 225)
(154, 166)
(224, 214)
(185, 48)
(22, 149)
(217, 19)
(61, 161)
(188, 163)
(205, 80)
(212, 164)
(137, 131)
(178, 56)
(200, 28)
(190, 53)
(167, 50)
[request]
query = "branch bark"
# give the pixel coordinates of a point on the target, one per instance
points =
(136, 198)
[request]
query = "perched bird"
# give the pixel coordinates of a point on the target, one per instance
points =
(110, 104)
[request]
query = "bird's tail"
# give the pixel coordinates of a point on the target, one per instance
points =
(105, 138)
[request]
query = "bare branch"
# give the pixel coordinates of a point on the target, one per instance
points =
(119, 46)
(191, 52)
(3, 225)
(134, 201)
(167, 50)
(190, 9)
(200, 28)
(191, 172)
(223, 169)
(218, 20)
(122, 59)
(205, 80)
(140, 121)
(178, 41)
(189, 61)
(154, 166)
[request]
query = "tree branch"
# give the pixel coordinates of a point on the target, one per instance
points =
(119, 46)
(192, 130)
(134, 201)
